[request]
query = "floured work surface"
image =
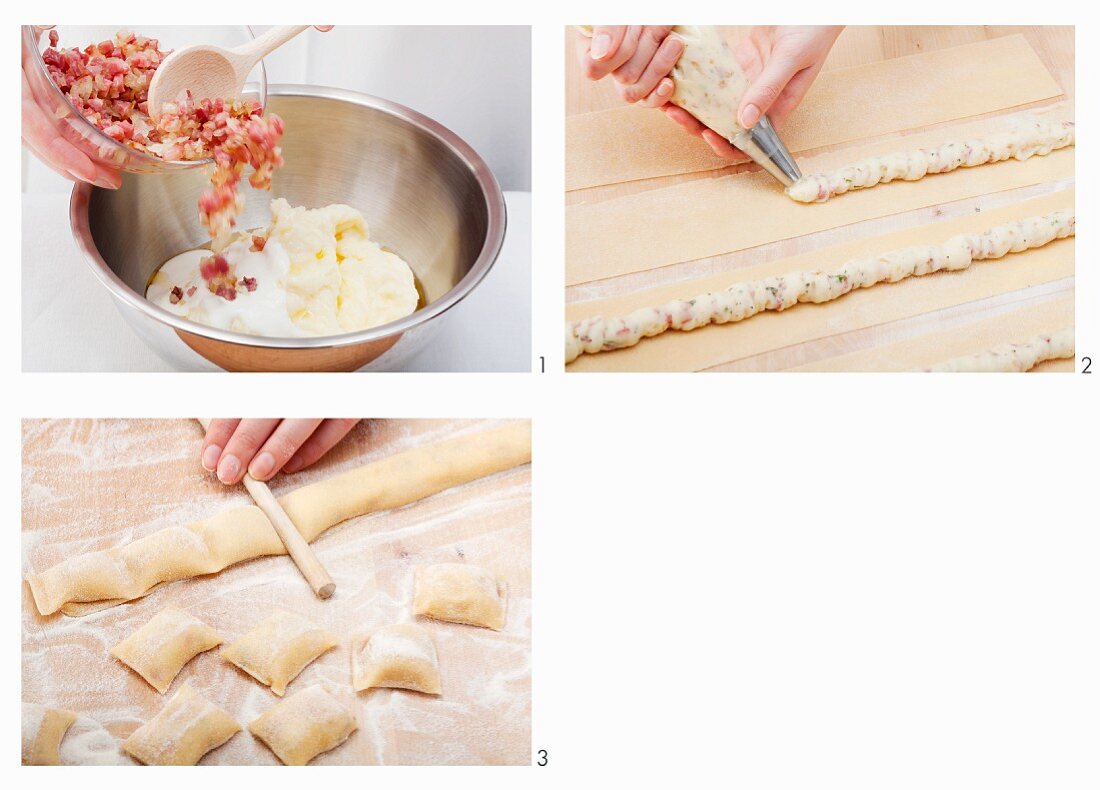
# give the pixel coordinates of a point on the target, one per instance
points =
(715, 345)
(630, 143)
(1015, 326)
(701, 218)
(90, 485)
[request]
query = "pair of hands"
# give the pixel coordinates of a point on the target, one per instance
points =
(76, 160)
(780, 63)
(262, 448)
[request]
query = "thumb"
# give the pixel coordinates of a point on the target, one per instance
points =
(765, 89)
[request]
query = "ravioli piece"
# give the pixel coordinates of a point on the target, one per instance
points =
(400, 656)
(304, 725)
(159, 649)
(458, 593)
(186, 728)
(43, 730)
(278, 648)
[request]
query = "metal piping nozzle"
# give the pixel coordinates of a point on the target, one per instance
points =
(763, 146)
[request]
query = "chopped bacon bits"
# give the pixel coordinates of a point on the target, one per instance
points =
(258, 243)
(213, 266)
(109, 84)
(214, 269)
(249, 283)
(176, 295)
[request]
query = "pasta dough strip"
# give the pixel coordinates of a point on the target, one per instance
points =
(1037, 137)
(712, 216)
(743, 300)
(1012, 357)
(98, 580)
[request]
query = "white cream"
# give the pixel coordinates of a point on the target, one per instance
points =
(259, 312)
(319, 273)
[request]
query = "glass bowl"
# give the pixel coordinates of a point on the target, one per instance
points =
(74, 127)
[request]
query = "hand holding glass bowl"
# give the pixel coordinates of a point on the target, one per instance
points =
(62, 138)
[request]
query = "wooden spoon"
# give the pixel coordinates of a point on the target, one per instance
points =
(211, 72)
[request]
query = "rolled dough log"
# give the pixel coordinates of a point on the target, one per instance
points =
(1013, 357)
(743, 300)
(43, 730)
(98, 580)
(1034, 137)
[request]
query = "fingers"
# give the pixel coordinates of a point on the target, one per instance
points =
(660, 95)
(684, 119)
(213, 444)
(605, 41)
(324, 28)
(41, 158)
(793, 94)
(107, 177)
(320, 442)
(281, 446)
(66, 156)
(620, 44)
(650, 39)
(652, 62)
(43, 140)
(241, 448)
(765, 89)
(721, 146)
(690, 124)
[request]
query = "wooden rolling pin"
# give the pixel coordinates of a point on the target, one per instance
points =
(296, 546)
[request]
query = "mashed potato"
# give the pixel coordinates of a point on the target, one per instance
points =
(316, 272)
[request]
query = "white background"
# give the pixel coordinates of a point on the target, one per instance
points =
(747, 581)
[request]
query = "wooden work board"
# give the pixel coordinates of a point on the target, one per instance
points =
(90, 485)
(857, 47)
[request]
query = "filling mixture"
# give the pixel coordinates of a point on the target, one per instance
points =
(313, 272)
(109, 84)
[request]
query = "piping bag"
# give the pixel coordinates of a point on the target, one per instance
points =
(709, 84)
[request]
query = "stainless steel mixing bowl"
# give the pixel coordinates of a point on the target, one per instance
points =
(424, 193)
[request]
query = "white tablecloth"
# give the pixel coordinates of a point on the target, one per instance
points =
(70, 322)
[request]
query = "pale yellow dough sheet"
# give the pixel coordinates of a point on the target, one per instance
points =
(707, 217)
(631, 143)
(97, 580)
(933, 348)
(718, 344)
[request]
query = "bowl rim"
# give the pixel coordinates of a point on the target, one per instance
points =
(31, 35)
(490, 249)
